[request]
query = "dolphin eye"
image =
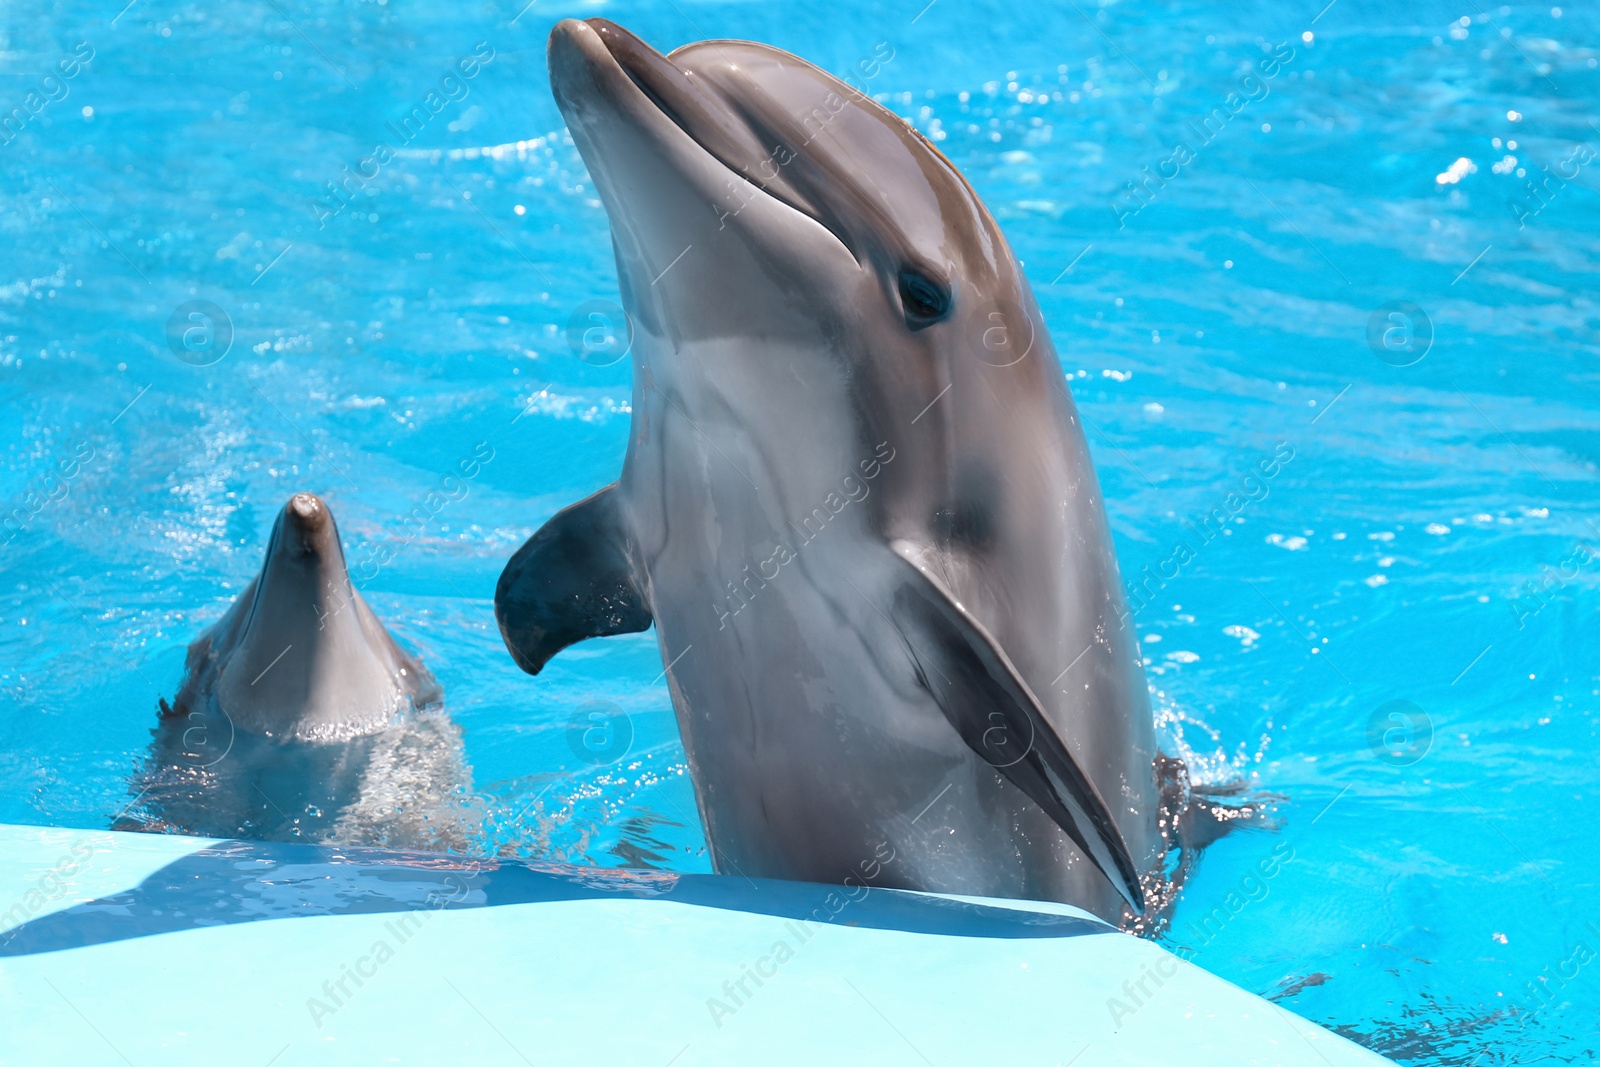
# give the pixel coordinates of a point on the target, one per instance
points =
(925, 301)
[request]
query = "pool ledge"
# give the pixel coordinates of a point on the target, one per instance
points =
(119, 948)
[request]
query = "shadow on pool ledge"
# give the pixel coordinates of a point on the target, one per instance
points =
(249, 881)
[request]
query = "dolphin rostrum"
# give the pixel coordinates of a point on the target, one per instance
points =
(300, 718)
(857, 501)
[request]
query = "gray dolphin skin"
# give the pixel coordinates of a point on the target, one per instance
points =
(299, 718)
(857, 501)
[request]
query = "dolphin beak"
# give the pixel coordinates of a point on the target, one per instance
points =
(600, 72)
(657, 183)
(620, 96)
(581, 67)
(307, 526)
(304, 570)
(660, 141)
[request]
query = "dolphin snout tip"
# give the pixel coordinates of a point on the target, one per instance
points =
(307, 509)
(563, 32)
(576, 53)
(566, 43)
(308, 519)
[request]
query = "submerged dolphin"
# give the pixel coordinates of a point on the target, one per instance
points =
(857, 501)
(299, 718)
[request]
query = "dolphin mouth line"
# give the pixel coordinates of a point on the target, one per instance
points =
(657, 78)
(636, 59)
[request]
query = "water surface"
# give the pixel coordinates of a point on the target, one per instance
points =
(1391, 633)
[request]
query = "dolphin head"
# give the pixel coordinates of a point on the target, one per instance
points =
(752, 194)
(773, 223)
(300, 655)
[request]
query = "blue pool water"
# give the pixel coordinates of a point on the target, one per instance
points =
(1391, 637)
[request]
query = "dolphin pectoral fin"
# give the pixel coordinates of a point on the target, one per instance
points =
(570, 581)
(979, 690)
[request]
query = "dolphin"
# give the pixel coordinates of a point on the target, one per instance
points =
(300, 718)
(857, 501)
